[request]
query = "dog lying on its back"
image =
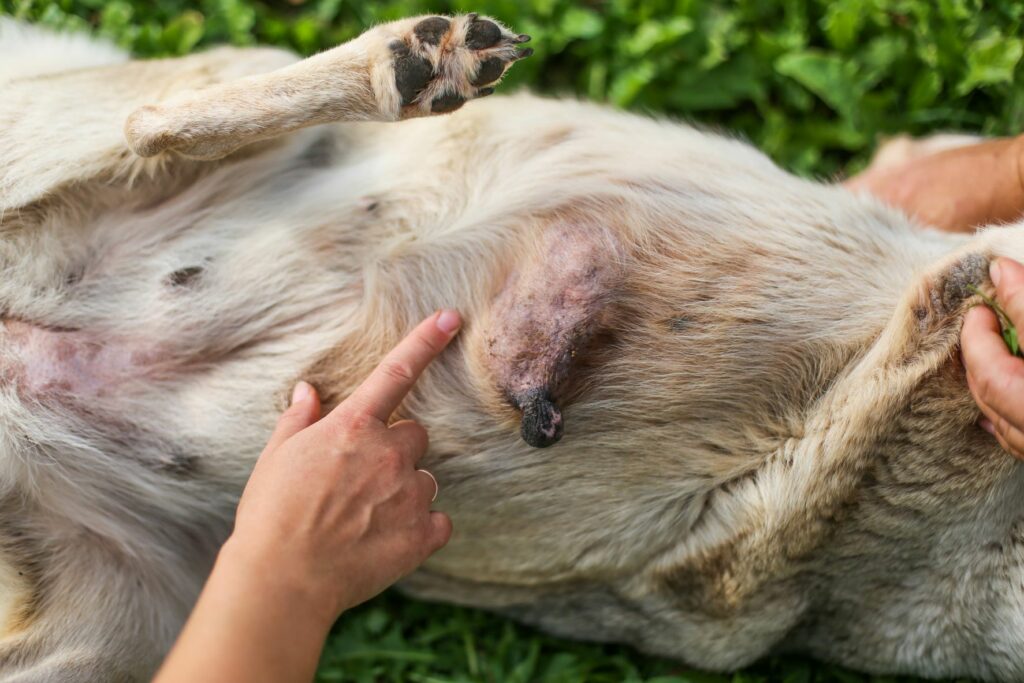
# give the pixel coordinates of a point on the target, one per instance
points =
(760, 437)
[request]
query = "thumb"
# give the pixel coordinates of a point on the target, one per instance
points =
(304, 411)
(1008, 277)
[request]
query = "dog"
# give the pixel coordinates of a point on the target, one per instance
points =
(700, 406)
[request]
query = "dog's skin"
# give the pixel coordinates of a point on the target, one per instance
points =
(761, 438)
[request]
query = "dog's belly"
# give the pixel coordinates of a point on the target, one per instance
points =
(73, 364)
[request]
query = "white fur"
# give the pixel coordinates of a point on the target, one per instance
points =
(773, 448)
(27, 50)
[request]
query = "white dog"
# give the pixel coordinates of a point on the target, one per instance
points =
(761, 438)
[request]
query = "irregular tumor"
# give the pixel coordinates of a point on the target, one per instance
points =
(547, 314)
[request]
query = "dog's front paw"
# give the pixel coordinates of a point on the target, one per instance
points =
(434, 65)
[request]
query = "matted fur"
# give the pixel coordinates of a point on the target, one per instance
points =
(768, 442)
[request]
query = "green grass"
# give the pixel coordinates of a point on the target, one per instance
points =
(395, 640)
(815, 83)
(812, 82)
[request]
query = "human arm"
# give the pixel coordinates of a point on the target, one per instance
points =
(958, 189)
(333, 513)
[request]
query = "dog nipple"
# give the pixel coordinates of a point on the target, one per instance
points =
(541, 424)
(547, 314)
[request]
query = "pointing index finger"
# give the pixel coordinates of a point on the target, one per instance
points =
(381, 393)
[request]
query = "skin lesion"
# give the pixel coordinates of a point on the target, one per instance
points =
(545, 317)
(72, 363)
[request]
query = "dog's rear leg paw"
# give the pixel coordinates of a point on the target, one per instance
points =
(436, 64)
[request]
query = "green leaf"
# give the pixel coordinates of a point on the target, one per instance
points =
(991, 60)
(628, 84)
(305, 33)
(878, 59)
(1011, 339)
(826, 75)
(652, 34)
(581, 23)
(739, 80)
(925, 90)
(843, 21)
(723, 35)
(183, 33)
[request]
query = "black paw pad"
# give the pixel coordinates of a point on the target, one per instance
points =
(490, 71)
(482, 34)
(431, 31)
(446, 103)
(412, 72)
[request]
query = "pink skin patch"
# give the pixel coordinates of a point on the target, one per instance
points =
(69, 363)
(546, 314)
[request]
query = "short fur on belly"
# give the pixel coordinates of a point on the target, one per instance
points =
(757, 435)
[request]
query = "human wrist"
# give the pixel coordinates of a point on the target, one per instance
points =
(282, 583)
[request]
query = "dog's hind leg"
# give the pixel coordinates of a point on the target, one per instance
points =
(78, 607)
(412, 67)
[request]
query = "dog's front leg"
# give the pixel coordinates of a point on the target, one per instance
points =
(404, 69)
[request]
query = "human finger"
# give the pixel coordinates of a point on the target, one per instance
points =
(303, 411)
(381, 393)
(440, 532)
(998, 377)
(427, 485)
(412, 438)
(1009, 437)
(1008, 277)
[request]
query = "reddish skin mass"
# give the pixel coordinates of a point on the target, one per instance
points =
(547, 311)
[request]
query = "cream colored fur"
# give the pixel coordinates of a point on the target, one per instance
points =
(768, 443)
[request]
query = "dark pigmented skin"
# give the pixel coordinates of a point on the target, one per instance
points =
(490, 71)
(183, 277)
(412, 72)
(970, 271)
(482, 34)
(446, 103)
(541, 424)
(431, 31)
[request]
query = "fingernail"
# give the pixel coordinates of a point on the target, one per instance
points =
(987, 425)
(448, 321)
(301, 392)
(993, 272)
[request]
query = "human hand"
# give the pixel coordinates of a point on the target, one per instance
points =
(995, 377)
(956, 190)
(335, 511)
